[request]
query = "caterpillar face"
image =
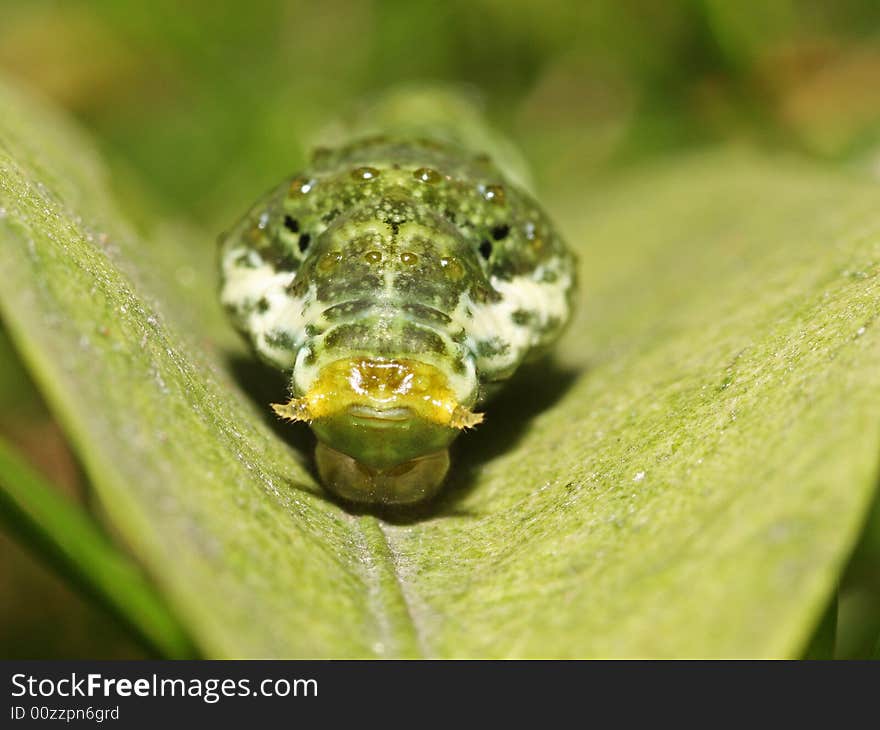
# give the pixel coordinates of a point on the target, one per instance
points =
(398, 282)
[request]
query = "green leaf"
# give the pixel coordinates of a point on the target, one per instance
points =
(61, 531)
(687, 480)
(823, 643)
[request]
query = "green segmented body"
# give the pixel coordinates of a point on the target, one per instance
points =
(392, 249)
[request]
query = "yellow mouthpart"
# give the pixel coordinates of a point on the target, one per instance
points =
(383, 388)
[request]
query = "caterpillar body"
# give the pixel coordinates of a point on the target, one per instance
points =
(399, 280)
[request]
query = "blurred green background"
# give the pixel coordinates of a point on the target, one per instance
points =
(200, 106)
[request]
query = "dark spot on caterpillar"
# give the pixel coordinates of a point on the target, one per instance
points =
(345, 309)
(304, 241)
(485, 249)
(298, 287)
(262, 305)
(285, 263)
(492, 347)
(494, 194)
(328, 261)
(280, 340)
(483, 294)
(245, 261)
(291, 224)
(350, 335)
(365, 173)
(452, 268)
(427, 314)
(300, 186)
(416, 339)
(499, 233)
(523, 317)
(427, 175)
(279, 258)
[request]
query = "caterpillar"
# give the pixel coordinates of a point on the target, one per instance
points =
(400, 280)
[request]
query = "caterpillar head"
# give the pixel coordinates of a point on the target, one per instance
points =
(383, 426)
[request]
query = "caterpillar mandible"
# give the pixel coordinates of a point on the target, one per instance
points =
(399, 280)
